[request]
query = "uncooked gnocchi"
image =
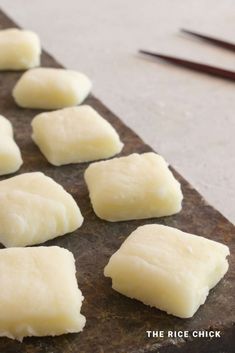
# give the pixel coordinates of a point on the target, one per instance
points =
(46, 88)
(20, 49)
(10, 156)
(39, 294)
(133, 187)
(168, 269)
(34, 209)
(74, 135)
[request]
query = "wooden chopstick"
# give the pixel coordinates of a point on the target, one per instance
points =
(218, 42)
(207, 69)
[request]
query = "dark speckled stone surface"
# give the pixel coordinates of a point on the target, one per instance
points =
(116, 324)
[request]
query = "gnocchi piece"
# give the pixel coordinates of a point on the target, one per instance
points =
(39, 293)
(74, 135)
(46, 88)
(167, 268)
(34, 209)
(20, 49)
(133, 187)
(10, 156)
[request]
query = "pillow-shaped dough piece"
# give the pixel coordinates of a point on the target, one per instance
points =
(45, 88)
(39, 293)
(10, 156)
(167, 268)
(20, 49)
(74, 135)
(133, 187)
(34, 209)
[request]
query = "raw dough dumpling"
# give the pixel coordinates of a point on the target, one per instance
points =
(133, 187)
(10, 156)
(45, 88)
(39, 294)
(20, 49)
(34, 209)
(168, 269)
(74, 135)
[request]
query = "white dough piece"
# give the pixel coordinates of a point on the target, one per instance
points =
(46, 88)
(34, 209)
(20, 49)
(133, 187)
(10, 156)
(74, 135)
(167, 268)
(39, 294)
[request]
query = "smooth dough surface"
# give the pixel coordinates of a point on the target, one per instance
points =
(10, 156)
(167, 268)
(20, 49)
(46, 88)
(74, 135)
(34, 209)
(133, 187)
(39, 293)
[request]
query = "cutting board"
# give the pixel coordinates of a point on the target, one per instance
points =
(116, 323)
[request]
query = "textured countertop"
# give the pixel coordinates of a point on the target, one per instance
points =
(187, 117)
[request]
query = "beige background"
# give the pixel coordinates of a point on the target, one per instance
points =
(187, 117)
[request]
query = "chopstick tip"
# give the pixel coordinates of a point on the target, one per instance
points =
(183, 30)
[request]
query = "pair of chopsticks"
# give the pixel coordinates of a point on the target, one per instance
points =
(208, 69)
